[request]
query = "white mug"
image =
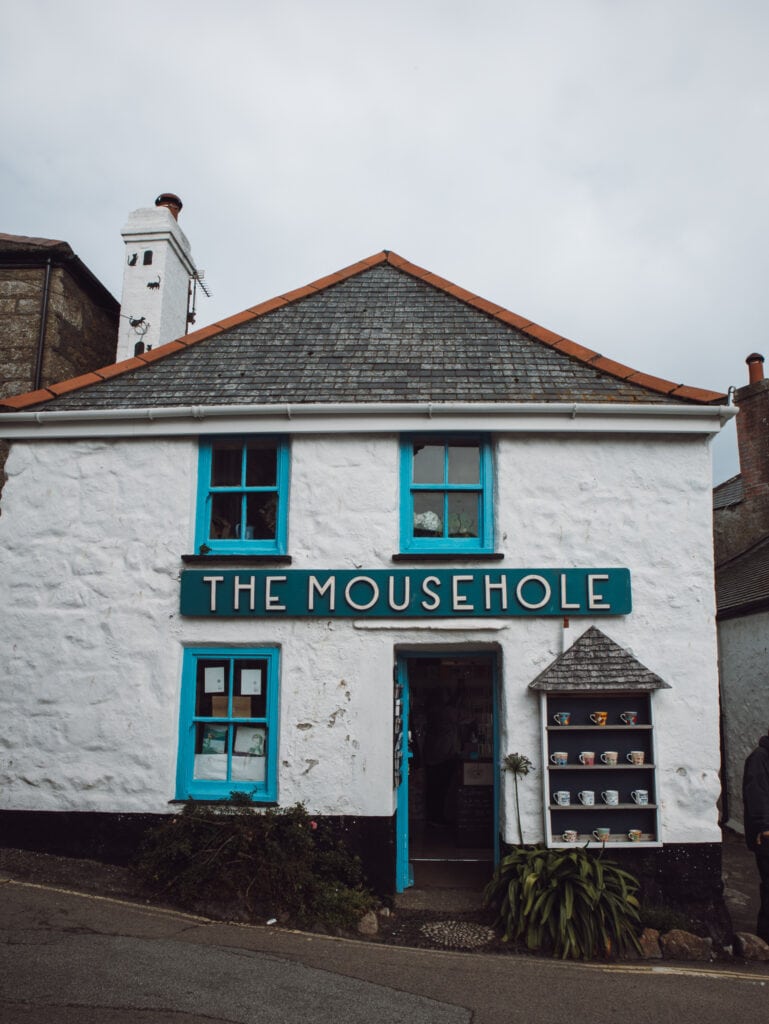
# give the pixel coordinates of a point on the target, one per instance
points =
(586, 796)
(610, 797)
(640, 796)
(562, 798)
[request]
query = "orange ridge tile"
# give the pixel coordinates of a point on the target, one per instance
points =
(646, 380)
(572, 348)
(699, 394)
(235, 320)
(200, 335)
(507, 317)
(18, 402)
(549, 337)
(267, 306)
(74, 383)
(300, 293)
(115, 369)
(161, 351)
(612, 367)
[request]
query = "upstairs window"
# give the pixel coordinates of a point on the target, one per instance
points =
(242, 496)
(446, 495)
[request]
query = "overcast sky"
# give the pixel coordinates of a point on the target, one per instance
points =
(599, 166)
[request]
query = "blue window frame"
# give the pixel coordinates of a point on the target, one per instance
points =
(228, 727)
(242, 496)
(446, 495)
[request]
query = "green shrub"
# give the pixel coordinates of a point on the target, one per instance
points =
(565, 902)
(239, 860)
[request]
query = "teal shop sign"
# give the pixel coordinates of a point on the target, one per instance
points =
(404, 593)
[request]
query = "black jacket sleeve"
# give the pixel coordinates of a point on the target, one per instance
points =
(755, 795)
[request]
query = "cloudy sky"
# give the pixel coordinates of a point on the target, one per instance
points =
(599, 166)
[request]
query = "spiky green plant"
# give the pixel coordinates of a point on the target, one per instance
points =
(519, 766)
(567, 902)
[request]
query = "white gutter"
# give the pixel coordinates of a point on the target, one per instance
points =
(368, 417)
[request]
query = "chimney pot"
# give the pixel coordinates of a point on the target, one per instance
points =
(172, 203)
(755, 363)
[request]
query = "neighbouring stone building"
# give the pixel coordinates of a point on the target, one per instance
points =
(56, 319)
(351, 547)
(741, 532)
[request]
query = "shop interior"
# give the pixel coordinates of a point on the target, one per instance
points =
(451, 763)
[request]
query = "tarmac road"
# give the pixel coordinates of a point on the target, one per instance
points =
(67, 957)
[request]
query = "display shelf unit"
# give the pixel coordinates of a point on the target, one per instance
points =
(581, 736)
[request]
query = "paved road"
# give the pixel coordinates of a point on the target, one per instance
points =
(66, 958)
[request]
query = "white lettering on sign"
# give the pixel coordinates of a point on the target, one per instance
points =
(213, 581)
(313, 586)
(374, 592)
(565, 606)
(459, 602)
(595, 602)
(272, 601)
(250, 587)
(430, 606)
(488, 586)
(545, 588)
(391, 594)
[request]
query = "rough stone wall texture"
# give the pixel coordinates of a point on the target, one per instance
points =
(92, 640)
(744, 657)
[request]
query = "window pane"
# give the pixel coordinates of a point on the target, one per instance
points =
(250, 688)
(212, 682)
(464, 464)
(226, 464)
(261, 516)
(261, 466)
(211, 741)
(249, 753)
(428, 463)
(428, 514)
(225, 516)
(463, 514)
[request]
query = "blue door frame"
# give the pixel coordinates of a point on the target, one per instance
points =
(404, 870)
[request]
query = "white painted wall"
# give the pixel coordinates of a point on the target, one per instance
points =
(90, 538)
(744, 656)
(164, 308)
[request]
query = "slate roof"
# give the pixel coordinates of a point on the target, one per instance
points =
(383, 330)
(596, 662)
(728, 493)
(742, 584)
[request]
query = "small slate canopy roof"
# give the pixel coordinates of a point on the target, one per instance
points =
(383, 330)
(596, 662)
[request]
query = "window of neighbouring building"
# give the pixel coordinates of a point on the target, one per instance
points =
(228, 738)
(446, 495)
(242, 496)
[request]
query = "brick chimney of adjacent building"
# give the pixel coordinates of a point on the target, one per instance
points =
(753, 432)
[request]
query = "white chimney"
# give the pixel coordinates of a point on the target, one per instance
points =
(156, 278)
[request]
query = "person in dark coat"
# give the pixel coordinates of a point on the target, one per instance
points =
(755, 799)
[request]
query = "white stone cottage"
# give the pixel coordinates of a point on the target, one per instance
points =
(351, 547)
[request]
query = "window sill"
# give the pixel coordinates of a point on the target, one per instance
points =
(260, 559)
(180, 801)
(449, 556)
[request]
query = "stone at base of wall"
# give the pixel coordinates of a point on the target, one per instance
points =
(115, 838)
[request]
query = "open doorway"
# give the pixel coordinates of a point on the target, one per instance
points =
(447, 800)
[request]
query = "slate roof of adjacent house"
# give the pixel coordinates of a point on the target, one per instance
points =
(728, 493)
(382, 330)
(742, 583)
(596, 662)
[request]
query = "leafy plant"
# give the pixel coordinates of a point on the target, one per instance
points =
(519, 766)
(567, 902)
(235, 859)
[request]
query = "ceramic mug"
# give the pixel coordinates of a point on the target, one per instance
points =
(562, 798)
(570, 835)
(634, 835)
(587, 797)
(610, 797)
(562, 717)
(610, 757)
(587, 757)
(640, 796)
(629, 717)
(601, 834)
(636, 757)
(599, 717)
(559, 757)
